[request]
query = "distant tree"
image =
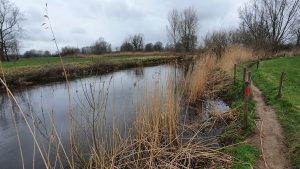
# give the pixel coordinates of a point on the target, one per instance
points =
(158, 46)
(188, 29)
(29, 54)
(13, 49)
(217, 42)
(295, 32)
(296, 35)
(174, 25)
(47, 53)
(69, 51)
(101, 47)
(10, 18)
(149, 47)
(169, 47)
(126, 46)
(182, 29)
(36, 53)
(87, 50)
(137, 42)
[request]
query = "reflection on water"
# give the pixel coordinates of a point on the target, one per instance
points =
(117, 94)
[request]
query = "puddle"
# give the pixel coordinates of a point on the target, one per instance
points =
(201, 118)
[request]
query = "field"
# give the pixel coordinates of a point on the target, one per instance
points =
(40, 61)
(288, 106)
(30, 71)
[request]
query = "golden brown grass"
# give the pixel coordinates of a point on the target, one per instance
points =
(199, 77)
(158, 141)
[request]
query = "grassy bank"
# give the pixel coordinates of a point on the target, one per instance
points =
(288, 106)
(245, 155)
(32, 71)
(118, 57)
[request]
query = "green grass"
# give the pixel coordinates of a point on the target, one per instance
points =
(288, 106)
(40, 61)
(245, 155)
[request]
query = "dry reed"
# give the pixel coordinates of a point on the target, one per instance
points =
(200, 77)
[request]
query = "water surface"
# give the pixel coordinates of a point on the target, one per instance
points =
(116, 93)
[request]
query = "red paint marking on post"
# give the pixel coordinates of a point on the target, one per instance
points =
(248, 91)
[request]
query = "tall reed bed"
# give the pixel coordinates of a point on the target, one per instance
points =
(198, 77)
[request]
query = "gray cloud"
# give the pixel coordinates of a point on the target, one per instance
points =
(80, 23)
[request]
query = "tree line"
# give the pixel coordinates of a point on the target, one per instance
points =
(271, 25)
(268, 25)
(134, 43)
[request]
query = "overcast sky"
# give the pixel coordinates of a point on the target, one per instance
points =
(81, 22)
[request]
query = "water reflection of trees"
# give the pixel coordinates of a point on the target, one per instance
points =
(137, 72)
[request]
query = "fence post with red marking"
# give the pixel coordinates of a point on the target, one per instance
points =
(244, 81)
(247, 93)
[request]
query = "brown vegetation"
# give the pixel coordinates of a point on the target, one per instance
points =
(198, 77)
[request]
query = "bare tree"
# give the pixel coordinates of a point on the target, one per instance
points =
(295, 33)
(188, 29)
(126, 46)
(101, 46)
(10, 17)
(173, 28)
(270, 20)
(182, 29)
(217, 42)
(137, 42)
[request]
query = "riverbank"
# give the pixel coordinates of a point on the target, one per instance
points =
(158, 141)
(28, 72)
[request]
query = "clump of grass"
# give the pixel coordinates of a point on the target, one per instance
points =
(246, 156)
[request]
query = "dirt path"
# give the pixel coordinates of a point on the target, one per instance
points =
(274, 150)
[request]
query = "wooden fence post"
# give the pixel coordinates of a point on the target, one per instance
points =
(249, 78)
(246, 99)
(234, 73)
(244, 80)
(281, 84)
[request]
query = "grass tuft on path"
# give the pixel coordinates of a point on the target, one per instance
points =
(288, 106)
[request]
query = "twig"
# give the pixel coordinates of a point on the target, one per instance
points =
(261, 145)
